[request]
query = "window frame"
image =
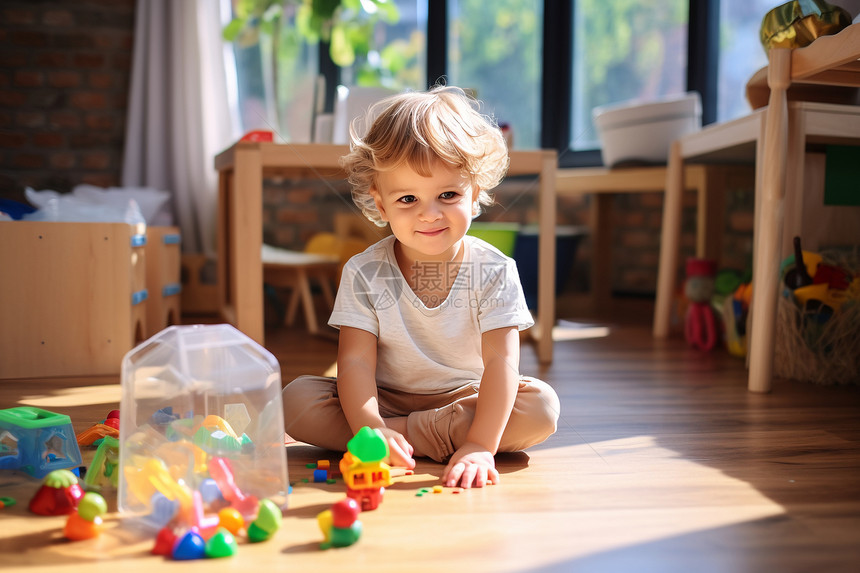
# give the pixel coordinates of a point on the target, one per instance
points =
(556, 74)
(702, 67)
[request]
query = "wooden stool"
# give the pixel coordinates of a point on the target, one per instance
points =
(294, 270)
(321, 261)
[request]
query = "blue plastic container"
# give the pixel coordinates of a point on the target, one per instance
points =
(526, 256)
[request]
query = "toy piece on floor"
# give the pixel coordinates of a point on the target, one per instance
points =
(103, 471)
(217, 540)
(222, 544)
(96, 432)
(364, 470)
(164, 542)
(6, 502)
(37, 441)
(231, 520)
(87, 522)
(268, 522)
(190, 546)
(732, 294)
(339, 524)
(734, 310)
(700, 328)
(59, 495)
(320, 476)
(107, 427)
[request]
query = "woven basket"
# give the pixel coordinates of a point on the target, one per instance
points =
(811, 349)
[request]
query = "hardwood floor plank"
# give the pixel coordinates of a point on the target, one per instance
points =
(663, 461)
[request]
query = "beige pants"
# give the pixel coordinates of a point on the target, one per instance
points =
(436, 425)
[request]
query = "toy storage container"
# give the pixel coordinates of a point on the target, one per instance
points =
(201, 411)
(640, 132)
(567, 239)
(72, 297)
(37, 441)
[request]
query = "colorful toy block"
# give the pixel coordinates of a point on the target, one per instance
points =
(37, 441)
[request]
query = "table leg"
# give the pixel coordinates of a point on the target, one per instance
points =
(245, 243)
(769, 224)
(546, 257)
(711, 213)
(601, 249)
(669, 241)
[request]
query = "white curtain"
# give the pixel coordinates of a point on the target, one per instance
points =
(178, 115)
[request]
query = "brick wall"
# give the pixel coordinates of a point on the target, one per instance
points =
(64, 78)
(295, 210)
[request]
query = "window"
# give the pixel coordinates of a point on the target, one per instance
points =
(622, 51)
(741, 53)
(494, 48)
(398, 59)
(275, 83)
(540, 66)
(277, 70)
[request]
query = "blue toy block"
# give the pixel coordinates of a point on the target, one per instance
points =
(37, 441)
(320, 476)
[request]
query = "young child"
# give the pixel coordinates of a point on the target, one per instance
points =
(429, 317)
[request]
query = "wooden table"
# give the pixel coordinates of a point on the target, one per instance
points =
(241, 170)
(746, 138)
(707, 180)
(778, 134)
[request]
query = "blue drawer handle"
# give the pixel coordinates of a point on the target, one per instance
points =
(172, 239)
(171, 289)
(138, 240)
(139, 296)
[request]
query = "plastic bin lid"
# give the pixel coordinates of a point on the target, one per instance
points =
(560, 230)
(640, 111)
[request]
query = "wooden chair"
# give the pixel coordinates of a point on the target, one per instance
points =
(321, 262)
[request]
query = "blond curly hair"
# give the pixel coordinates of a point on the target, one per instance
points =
(420, 128)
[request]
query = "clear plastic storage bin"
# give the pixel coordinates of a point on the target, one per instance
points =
(201, 425)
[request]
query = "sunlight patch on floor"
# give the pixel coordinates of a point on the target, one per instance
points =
(622, 493)
(569, 330)
(71, 397)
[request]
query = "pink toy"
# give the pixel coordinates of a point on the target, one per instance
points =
(206, 526)
(222, 473)
(700, 326)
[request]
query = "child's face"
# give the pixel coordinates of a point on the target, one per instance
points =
(428, 215)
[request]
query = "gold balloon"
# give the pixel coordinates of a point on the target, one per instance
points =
(797, 23)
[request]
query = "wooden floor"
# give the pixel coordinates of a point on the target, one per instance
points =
(662, 462)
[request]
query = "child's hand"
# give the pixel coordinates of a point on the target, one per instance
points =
(399, 450)
(471, 465)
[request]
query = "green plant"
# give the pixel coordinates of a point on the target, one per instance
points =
(280, 32)
(347, 26)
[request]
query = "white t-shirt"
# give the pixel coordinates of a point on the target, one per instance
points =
(430, 350)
